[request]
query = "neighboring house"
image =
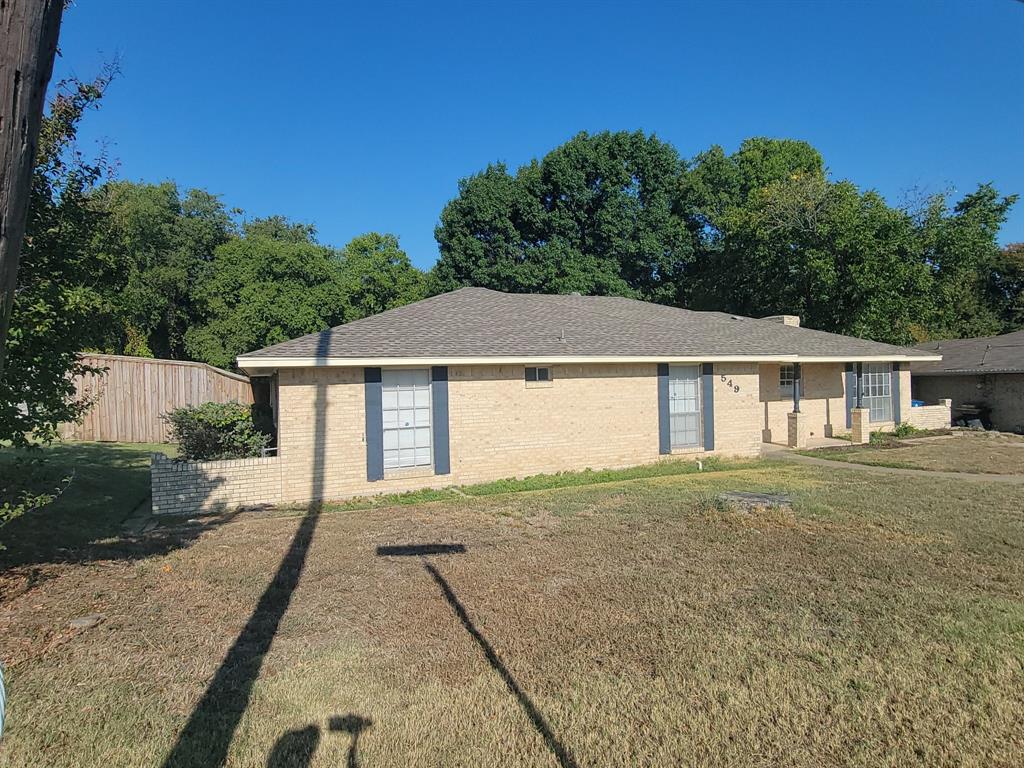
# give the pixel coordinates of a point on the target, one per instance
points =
(983, 377)
(477, 385)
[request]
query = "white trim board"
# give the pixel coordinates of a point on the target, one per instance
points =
(251, 364)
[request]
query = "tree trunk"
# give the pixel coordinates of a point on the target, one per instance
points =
(28, 30)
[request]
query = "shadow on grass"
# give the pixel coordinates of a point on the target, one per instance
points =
(295, 749)
(560, 752)
(211, 727)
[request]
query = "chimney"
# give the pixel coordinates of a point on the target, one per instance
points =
(793, 320)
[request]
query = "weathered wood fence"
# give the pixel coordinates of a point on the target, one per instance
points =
(135, 392)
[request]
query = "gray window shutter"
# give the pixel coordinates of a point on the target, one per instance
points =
(439, 418)
(707, 401)
(851, 394)
(374, 424)
(895, 390)
(664, 418)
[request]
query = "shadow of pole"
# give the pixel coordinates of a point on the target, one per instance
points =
(207, 735)
(536, 718)
(557, 748)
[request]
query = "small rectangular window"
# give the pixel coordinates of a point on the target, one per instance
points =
(538, 374)
(787, 375)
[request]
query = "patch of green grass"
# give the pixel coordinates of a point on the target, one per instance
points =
(109, 482)
(542, 482)
(591, 477)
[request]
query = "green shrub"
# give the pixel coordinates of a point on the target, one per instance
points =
(903, 429)
(214, 431)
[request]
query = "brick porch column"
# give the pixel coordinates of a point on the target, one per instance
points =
(797, 437)
(860, 431)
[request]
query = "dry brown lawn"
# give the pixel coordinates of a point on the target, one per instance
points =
(975, 452)
(878, 623)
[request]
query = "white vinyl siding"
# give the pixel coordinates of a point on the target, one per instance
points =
(684, 405)
(878, 391)
(405, 400)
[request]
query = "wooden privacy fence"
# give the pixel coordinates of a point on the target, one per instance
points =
(129, 400)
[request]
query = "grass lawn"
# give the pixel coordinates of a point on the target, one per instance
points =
(109, 482)
(880, 622)
(982, 452)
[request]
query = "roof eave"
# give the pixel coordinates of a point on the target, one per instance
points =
(262, 363)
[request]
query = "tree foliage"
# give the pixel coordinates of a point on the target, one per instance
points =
(597, 215)
(59, 303)
(258, 291)
(160, 242)
(762, 231)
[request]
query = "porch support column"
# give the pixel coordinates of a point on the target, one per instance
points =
(860, 417)
(797, 385)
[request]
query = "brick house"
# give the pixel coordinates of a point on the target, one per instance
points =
(477, 385)
(983, 377)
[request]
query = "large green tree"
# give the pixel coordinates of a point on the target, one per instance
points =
(961, 248)
(1006, 286)
(598, 215)
(377, 275)
(161, 241)
(260, 290)
(60, 306)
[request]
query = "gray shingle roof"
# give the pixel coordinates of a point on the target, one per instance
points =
(477, 322)
(990, 354)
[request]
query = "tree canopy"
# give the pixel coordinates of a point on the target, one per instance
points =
(762, 231)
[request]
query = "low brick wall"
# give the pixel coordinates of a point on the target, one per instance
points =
(931, 416)
(188, 487)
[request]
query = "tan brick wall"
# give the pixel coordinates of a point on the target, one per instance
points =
(822, 401)
(596, 416)
(931, 416)
(188, 487)
(737, 429)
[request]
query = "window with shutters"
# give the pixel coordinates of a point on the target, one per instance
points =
(878, 391)
(684, 405)
(405, 399)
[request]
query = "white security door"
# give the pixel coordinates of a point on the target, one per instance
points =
(684, 405)
(406, 405)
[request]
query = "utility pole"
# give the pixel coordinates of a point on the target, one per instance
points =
(28, 44)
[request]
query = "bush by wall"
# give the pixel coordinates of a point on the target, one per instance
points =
(216, 431)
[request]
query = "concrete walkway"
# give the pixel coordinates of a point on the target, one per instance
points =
(797, 458)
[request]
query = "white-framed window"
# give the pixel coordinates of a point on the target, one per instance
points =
(684, 405)
(538, 374)
(787, 375)
(877, 391)
(405, 400)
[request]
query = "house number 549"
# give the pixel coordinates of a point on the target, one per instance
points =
(728, 383)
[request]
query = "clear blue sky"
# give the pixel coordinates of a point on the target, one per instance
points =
(360, 118)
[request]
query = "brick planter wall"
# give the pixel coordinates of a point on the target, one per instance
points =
(188, 487)
(931, 416)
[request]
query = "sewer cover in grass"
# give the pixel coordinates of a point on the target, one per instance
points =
(748, 501)
(87, 622)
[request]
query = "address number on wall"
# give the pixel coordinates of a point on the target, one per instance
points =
(728, 383)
